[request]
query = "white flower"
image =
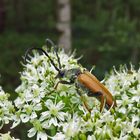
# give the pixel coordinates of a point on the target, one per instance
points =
(16, 121)
(24, 118)
(32, 132)
(44, 107)
(54, 113)
(122, 110)
(75, 100)
(19, 102)
(6, 108)
(37, 129)
(135, 119)
(42, 136)
(72, 127)
(59, 136)
(91, 137)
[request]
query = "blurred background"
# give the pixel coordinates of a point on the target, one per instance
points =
(105, 32)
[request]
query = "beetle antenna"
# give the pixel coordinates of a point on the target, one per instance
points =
(55, 49)
(39, 49)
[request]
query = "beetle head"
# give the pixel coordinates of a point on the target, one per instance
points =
(61, 74)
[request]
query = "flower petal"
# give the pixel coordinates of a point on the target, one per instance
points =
(59, 136)
(42, 136)
(15, 123)
(60, 105)
(24, 118)
(61, 116)
(49, 103)
(44, 115)
(31, 132)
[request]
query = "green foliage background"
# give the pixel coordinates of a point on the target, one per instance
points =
(106, 33)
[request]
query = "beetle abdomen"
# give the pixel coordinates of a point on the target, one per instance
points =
(94, 85)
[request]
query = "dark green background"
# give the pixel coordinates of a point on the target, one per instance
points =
(105, 32)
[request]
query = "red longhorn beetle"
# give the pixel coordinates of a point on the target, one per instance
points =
(80, 79)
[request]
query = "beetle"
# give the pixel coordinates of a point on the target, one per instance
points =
(82, 79)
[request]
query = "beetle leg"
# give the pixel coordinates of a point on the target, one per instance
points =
(95, 94)
(85, 103)
(103, 102)
(63, 82)
(100, 96)
(82, 98)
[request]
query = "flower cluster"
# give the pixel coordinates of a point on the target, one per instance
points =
(59, 114)
(125, 84)
(6, 108)
(38, 102)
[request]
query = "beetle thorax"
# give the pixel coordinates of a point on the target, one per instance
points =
(72, 73)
